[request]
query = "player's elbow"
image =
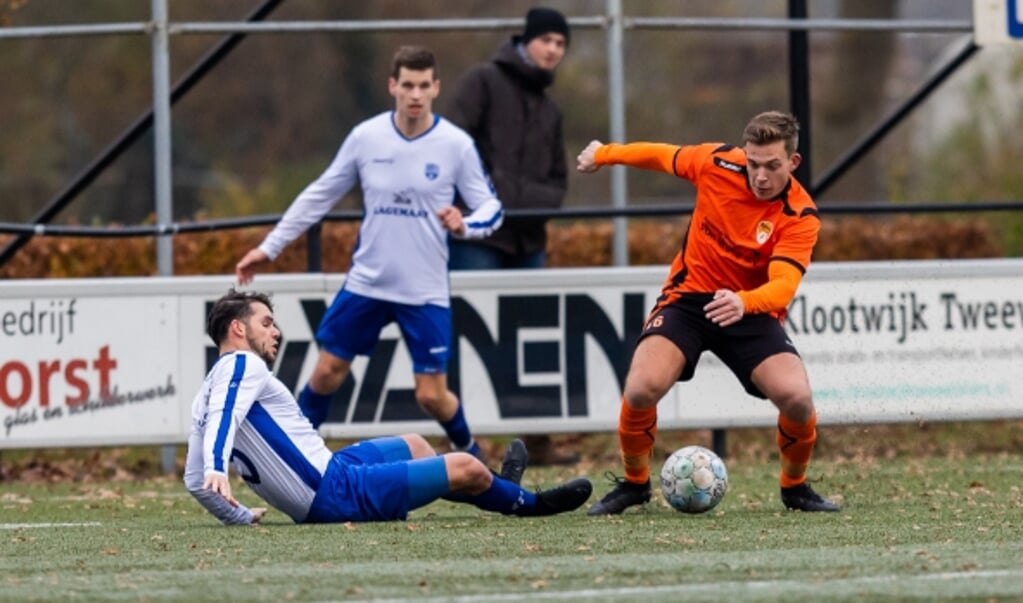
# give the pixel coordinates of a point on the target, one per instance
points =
(499, 221)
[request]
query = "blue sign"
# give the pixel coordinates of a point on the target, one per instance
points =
(1014, 18)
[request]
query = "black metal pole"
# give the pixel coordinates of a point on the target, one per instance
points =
(141, 124)
(718, 442)
(799, 87)
(314, 248)
(846, 161)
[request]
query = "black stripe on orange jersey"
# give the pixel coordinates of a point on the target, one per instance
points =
(810, 211)
(783, 196)
(781, 258)
(678, 277)
(674, 158)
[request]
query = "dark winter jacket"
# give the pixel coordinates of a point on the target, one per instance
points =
(517, 129)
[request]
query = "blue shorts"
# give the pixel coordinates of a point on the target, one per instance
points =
(352, 325)
(376, 480)
(366, 481)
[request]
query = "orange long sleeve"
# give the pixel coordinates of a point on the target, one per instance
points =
(782, 281)
(645, 155)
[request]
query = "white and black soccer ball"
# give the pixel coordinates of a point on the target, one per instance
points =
(694, 479)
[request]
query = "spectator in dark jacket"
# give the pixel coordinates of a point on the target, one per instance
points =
(503, 105)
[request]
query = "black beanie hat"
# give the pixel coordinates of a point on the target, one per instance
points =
(544, 20)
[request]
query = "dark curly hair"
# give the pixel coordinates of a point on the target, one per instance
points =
(234, 305)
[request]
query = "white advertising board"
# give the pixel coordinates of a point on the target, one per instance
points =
(536, 351)
(997, 21)
(102, 369)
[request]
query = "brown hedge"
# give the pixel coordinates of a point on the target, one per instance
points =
(584, 243)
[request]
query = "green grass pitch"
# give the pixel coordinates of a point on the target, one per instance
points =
(934, 528)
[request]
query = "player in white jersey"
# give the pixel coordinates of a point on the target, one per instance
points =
(409, 163)
(244, 416)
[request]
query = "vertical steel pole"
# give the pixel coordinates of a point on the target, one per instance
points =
(162, 136)
(799, 88)
(616, 111)
(162, 162)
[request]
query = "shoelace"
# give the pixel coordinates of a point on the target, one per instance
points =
(620, 480)
(615, 480)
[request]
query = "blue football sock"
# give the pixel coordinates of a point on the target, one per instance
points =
(457, 430)
(314, 406)
(427, 481)
(505, 497)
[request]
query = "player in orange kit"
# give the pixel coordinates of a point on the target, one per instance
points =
(747, 247)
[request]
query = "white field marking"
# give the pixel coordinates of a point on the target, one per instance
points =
(22, 526)
(763, 587)
(144, 496)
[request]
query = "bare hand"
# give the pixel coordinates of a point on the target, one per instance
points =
(451, 219)
(725, 309)
(257, 514)
(215, 482)
(586, 162)
(245, 269)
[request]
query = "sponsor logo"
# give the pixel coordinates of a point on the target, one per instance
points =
(401, 211)
(728, 165)
(387, 160)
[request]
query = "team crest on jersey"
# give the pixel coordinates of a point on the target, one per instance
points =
(432, 171)
(764, 230)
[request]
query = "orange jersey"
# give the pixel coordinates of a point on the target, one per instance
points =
(734, 239)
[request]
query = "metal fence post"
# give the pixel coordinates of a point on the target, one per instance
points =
(162, 164)
(616, 113)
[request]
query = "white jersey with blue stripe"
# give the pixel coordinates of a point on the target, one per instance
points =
(245, 416)
(402, 253)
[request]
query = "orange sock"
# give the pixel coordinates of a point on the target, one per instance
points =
(795, 442)
(637, 429)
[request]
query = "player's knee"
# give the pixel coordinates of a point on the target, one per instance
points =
(795, 405)
(325, 381)
(418, 446)
(643, 393)
(466, 473)
(478, 473)
(330, 371)
(429, 401)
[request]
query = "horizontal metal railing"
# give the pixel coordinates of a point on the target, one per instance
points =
(643, 211)
(584, 22)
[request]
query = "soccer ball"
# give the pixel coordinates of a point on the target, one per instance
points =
(694, 479)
